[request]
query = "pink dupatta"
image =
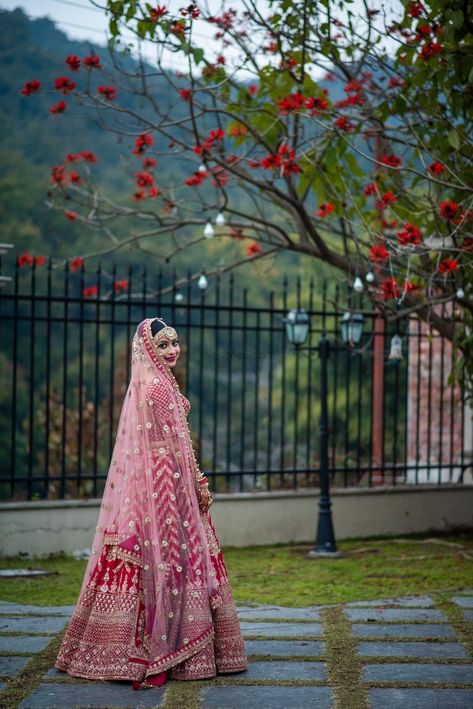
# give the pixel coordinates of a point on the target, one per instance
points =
(150, 514)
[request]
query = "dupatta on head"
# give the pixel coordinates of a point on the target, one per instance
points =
(150, 515)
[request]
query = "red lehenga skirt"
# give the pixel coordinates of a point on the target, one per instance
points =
(106, 638)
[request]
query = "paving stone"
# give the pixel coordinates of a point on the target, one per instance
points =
(468, 615)
(281, 629)
(284, 648)
(45, 626)
(8, 643)
(421, 698)
(412, 649)
(279, 612)
(7, 608)
(396, 614)
(53, 673)
(403, 630)
(418, 601)
(92, 694)
(10, 666)
(415, 672)
(463, 601)
(284, 670)
(266, 697)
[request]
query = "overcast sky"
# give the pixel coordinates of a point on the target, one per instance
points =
(79, 19)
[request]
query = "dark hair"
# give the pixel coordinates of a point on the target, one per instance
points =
(156, 326)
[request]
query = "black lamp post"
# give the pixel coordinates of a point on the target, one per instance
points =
(297, 324)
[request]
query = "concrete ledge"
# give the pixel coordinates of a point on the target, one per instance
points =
(244, 519)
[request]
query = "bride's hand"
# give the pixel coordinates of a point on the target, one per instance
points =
(205, 498)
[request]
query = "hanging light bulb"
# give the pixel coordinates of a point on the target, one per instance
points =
(220, 219)
(395, 351)
(201, 168)
(209, 231)
(358, 284)
(369, 278)
(203, 282)
(178, 297)
(460, 293)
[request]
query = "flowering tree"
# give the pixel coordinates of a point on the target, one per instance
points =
(307, 127)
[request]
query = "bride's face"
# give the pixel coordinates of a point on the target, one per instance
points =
(169, 350)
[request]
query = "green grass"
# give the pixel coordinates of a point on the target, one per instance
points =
(369, 569)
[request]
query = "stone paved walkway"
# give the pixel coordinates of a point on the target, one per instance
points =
(405, 653)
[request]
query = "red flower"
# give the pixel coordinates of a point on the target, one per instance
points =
(218, 134)
(142, 142)
(253, 89)
(76, 263)
(325, 209)
(236, 232)
(90, 291)
(468, 243)
(196, 179)
(253, 249)
(25, 259)
(448, 265)
(316, 104)
(391, 160)
(388, 225)
(344, 124)
(353, 87)
(156, 13)
(153, 192)
(108, 92)
(58, 107)
(371, 188)
(436, 168)
(448, 209)
(139, 195)
(390, 288)
(288, 63)
(58, 175)
(293, 102)
(31, 87)
(72, 216)
(410, 287)
(185, 94)
(89, 156)
(92, 62)
(191, 10)
(63, 84)
(378, 253)
(178, 27)
(410, 234)
(430, 49)
(415, 9)
(387, 198)
(75, 177)
(72, 157)
(40, 260)
(120, 285)
(149, 162)
(73, 62)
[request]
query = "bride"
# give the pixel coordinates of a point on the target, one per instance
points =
(155, 601)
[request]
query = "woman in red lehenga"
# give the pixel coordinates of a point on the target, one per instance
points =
(155, 600)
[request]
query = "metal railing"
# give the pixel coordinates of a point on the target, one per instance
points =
(65, 365)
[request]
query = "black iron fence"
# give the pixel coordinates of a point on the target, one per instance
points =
(65, 364)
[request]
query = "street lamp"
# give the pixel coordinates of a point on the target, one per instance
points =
(297, 324)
